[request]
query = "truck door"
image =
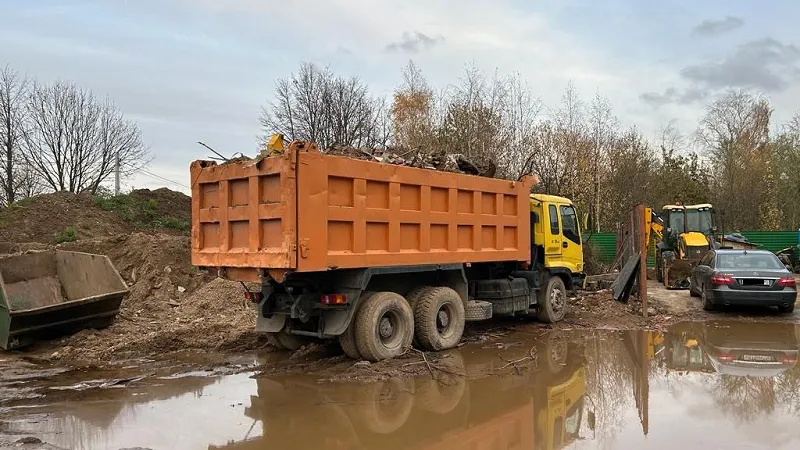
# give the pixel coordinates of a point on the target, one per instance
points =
(553, 239)
(571, 248)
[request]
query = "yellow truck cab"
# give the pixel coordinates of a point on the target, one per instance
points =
(556, 242)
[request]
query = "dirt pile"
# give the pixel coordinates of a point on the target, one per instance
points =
(42, 218)
(66, 217)
(172, 306)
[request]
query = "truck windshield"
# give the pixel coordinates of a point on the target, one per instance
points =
(699, 221)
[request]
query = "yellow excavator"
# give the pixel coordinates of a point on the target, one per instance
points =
(683, 234)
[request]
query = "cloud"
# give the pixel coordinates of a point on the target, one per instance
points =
(718, 27)
(765, 64)
(414, 42)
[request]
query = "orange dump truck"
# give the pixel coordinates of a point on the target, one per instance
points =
(379, 255)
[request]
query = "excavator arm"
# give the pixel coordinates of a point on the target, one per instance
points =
(654, 225)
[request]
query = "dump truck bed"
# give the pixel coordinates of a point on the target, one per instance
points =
(306, 211)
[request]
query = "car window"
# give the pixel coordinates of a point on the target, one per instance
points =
(569, 221)
(749, 261)
(553, 212)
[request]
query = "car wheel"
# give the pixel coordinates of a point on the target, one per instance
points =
(708, 305)
(692, 291)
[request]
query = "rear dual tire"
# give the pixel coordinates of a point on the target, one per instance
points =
(386, 324)
(383, 327)
(439, 318)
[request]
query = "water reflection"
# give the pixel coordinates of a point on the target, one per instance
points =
(497, 404)
(583, 389)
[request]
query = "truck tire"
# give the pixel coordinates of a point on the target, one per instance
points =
(438, 319)
(552, 301)
(272, 339)
(414, 295)
(347, 341)
(477, 310)
(290, 341)
(384, 326)
(412, 298)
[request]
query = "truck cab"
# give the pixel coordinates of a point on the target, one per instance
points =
(556, 243)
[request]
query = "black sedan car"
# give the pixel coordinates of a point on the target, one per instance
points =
(743, 277)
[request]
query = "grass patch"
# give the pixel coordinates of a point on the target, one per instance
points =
(68, 234)
(172, 223)
(143, 214)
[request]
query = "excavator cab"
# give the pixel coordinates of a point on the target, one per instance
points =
(687, 236)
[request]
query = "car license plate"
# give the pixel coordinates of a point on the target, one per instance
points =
(758, 358)
(766, 282)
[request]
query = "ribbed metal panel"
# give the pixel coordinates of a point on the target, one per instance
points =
(605, 244)
(772, 240)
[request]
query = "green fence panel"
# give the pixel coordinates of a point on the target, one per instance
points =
(605, 244)
(772, 240)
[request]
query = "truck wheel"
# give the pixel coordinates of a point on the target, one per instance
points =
(384, 326)
(347, 341)
(290, 341)
(415, 294)
(439, 319)
(272, 338)
(552, 301)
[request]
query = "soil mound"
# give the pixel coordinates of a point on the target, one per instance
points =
(172, 305)
(41, 218)
(66, 217)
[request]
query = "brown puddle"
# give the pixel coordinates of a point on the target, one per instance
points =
(702, 384)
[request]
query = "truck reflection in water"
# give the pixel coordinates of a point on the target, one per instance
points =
(540, 408)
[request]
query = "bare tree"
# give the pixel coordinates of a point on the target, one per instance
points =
(735, 133)
(520, 117)
(412, 111)
(603, 126)
(13, 91)
(73, 139)
(314, 104)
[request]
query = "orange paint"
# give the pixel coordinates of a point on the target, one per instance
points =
(306, 211)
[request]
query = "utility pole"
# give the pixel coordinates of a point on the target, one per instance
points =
(116, 173)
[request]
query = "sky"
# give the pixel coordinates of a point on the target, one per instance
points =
(200, 70)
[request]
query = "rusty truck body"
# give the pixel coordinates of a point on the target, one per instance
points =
(380, 255)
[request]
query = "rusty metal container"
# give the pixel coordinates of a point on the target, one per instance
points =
(45, 294)
(306, 211)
